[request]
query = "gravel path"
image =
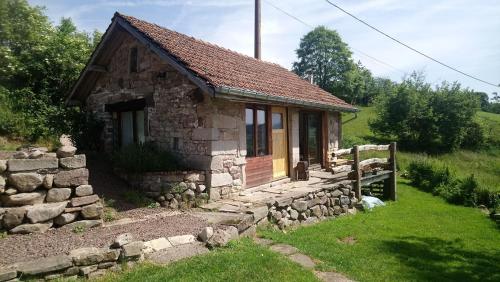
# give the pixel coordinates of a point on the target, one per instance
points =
(17, 248)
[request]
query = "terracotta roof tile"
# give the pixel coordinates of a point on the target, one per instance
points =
(221, 67)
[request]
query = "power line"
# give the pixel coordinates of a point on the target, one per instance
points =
(409, 47)
(355, 49)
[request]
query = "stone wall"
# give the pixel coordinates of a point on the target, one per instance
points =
(40, 190)
(331, 201)
(178, 189)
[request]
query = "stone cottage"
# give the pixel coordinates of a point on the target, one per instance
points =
(242, 121)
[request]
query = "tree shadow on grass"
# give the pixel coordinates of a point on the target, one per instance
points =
(436, 259)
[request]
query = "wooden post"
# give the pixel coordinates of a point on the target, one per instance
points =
(392, 181)
(357, 169)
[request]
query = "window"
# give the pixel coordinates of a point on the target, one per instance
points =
(256, 129)
(131, 127)
(133, 60)
(277, 120)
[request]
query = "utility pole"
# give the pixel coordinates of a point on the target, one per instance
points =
(257, 30)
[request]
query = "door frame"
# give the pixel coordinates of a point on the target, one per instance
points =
(287, 139)
(320, 137)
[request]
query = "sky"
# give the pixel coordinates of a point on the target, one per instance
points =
(463, 34)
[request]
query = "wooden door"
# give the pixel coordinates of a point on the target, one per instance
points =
(280, 142)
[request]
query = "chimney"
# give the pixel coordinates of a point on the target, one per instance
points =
(257, 30)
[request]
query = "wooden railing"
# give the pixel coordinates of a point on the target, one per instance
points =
(365, 172)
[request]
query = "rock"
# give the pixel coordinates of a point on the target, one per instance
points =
(122, 239)
(85, 224)
(214, 194)
(48, 181)
(284, 249)
(157, 245)
(173, 204)
(73, 209)
(43, 212)
(58, 195)
(303, 260)
(92, 211)
(105, 265)
(250, 232)
(20, 155)
(337, 193)
(189, 194)
(111, 255)
(82, 201)
(23, 199)
(25, 181)
(316, 210)
(69, 178)
(344, 200)
(66, 151)
(3, 165)
(337, 210)
(283, 202)
(74, 270)
(2, 182)
(300, 206)
(294, 214)
(201, 188)
(10, 191)
(13, 217)
(220, 179)
(65, 218)
(181, 240)
(87, 256)
(78, 161)
(7, 274)
(31, 228)
(259, 213)
(206, 234)
(32, 164)
(36, 154)
(133, 249)
(45, 265)
(222, 236)
(84, 190)
(86, 270)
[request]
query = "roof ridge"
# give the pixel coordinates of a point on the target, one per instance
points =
(125, 17)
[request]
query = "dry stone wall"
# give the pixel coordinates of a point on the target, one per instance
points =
(40, 190)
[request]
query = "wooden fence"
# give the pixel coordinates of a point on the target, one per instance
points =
(366, 172)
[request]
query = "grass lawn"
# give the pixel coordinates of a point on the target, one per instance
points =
(418, 238)
(485, 165)
(241, 261)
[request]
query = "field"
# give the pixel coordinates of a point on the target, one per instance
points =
(485, 165)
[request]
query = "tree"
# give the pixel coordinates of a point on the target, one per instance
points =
(323, 55)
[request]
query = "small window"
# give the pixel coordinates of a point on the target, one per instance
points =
(250, 132)
(131, 127)
(133, 60)
(277, 121)
(256, 129)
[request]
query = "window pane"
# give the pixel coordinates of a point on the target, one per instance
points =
(139, 125)
(277, 121)
(261, 133)
(127, 128)
(250, 132)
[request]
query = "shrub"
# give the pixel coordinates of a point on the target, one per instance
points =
(86, 131)
(145, 157)
(349, 141)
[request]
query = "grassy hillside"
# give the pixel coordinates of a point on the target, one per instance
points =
(485, 165)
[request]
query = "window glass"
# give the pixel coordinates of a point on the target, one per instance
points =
(277, 121)
(127, 128)
(133, 60)
(261, 133)
(250, 132)
(139, 125)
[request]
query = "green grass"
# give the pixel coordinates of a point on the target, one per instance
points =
(240, 261)
(418, 238)
(485, 165)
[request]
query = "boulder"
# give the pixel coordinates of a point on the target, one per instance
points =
(65, 218)
(43, 212)
(181, 240)
(70, 178)
(300, 206)
(316, 210)
(87, 256)
(84, 190)
(25, 181)
(157, 245)
(92, 211)
(294, 214)
(206, 234)
(32, 164)
(78, 161)
(111, 255)
(36, 154)
(82, 201)
(48, 181)
(122, 239)
(58, 195)
(23, 199)
(31, 228)
(13, 217)
(87, 270)
(45, 265)
(85, 224)
(66, 151)
(133, 249)
(3, 165)
(222, 236)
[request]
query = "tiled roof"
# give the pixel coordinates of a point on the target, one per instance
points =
(221, 67)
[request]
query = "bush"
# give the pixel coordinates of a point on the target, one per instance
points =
(350, 141)
(86, 131)
(145, 157)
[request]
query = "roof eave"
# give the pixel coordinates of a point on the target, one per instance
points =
(246, 93)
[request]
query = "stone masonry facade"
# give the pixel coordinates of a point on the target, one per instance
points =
(40, 190)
